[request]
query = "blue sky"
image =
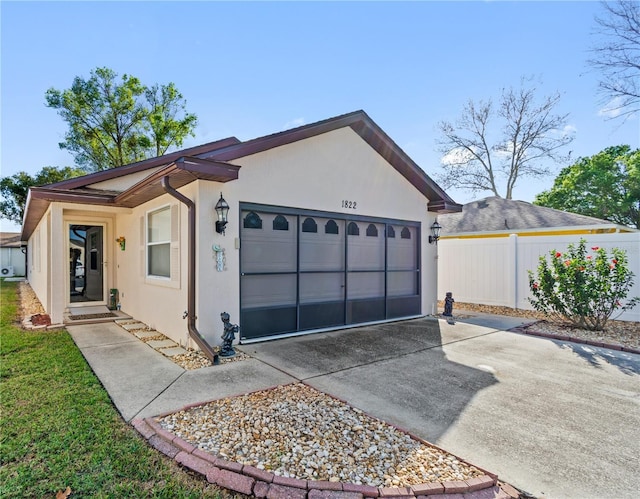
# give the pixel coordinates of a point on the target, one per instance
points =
(249, 69)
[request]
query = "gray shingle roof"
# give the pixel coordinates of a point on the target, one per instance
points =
(10, 239)
(497, 214)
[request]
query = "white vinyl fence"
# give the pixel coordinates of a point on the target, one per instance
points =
(493, 270)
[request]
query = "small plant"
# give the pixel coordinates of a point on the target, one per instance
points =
(583, 289)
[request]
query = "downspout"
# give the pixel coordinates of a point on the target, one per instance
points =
(191, 284)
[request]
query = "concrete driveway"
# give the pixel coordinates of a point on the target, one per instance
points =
(555, 419)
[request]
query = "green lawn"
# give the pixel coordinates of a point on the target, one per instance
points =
(59, 429)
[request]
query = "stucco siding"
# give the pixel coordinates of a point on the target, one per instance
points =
(37, 251)
(318, 173)
(157, 302)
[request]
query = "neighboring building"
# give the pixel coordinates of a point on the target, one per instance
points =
(486, 251)
(328, 227)
(12, 257)
(498, 217)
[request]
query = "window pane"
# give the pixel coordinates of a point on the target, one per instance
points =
(159, 260)
(159, 226)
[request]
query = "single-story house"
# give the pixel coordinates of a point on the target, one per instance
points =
(12, 257)
(487, 249)
(327, 227)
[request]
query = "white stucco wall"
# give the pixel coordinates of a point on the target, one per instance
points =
(316, 174)
(159, 303)
(37, 251)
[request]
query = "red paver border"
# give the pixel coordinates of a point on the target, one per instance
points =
(250, 480)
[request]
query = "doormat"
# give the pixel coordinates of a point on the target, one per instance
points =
(91, 316)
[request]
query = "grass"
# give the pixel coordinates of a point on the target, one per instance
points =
(59, 429)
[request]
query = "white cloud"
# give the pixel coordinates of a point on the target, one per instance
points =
(456, 157)
(612, 109)
(294, 123)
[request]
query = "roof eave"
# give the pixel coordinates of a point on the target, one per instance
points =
(370, 132)
(39, 199)
(182, 172)
(146, 164)
(562, 229)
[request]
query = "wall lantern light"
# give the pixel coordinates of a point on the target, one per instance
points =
(222, 209)
(435, 232)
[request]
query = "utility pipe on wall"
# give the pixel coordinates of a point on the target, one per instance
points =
(191, 279)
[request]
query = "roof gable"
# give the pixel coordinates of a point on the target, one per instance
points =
(371, 133)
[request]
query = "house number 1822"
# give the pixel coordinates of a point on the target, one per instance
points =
(349, 204)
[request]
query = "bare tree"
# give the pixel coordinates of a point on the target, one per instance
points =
(616, 54)
(480, 155)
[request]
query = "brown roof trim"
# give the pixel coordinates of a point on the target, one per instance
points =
(285, 137)
(208, 161)
(370, 132)
(40, 198)
(182, 172)
(84, 197)
(146, 164)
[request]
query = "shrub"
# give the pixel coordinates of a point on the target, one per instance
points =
(584, 289)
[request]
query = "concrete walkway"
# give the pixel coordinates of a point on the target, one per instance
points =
(142, 382)
(553, 418)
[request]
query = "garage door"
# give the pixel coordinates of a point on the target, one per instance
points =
(303, 270)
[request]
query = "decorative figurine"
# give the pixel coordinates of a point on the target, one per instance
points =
(448, 305)
(228, 336)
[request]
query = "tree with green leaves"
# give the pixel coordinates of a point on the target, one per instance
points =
(114, 122)
(490, 148)
(605, 185)
(14, 189)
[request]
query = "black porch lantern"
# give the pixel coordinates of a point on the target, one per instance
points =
(222, 209)
(435, 232)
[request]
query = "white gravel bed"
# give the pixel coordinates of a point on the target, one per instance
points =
(195, 359)
(297, 431)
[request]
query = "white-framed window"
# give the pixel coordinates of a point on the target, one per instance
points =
(160, 246)
(159, 243)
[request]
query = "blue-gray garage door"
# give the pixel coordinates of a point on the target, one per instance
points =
(303, 270)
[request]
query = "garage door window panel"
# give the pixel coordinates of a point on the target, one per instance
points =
(320, 251)
(368, 252)
(268, 250)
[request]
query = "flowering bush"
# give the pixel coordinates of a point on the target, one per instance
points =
(584, 289)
